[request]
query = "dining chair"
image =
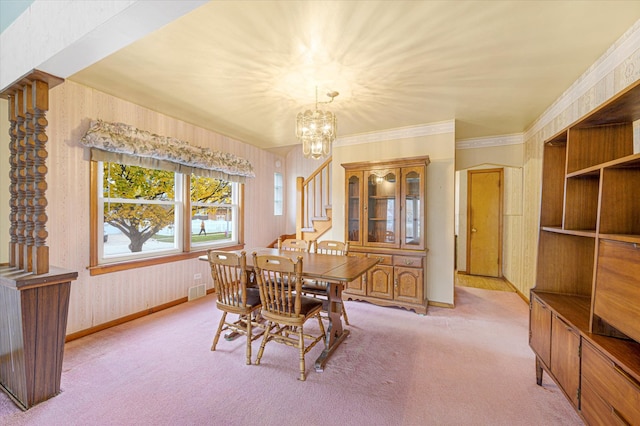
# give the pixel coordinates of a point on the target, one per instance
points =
(229, 273)
(284, 307)
(293, 244)
(318, 288)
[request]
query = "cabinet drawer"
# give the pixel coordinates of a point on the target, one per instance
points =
(617, 289)
(385, 259)
(408, 261)
(614, 386)
(565, 357)
(595, 410)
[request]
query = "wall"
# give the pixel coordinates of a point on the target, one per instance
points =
(103, 298)
(440, 199)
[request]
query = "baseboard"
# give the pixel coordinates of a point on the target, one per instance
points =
(518, 292)
(441, 304)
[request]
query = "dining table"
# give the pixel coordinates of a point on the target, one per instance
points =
(336, 271)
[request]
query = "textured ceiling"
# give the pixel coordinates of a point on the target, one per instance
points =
(246, 68)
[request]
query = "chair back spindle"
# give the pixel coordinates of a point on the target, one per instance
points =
(279, 280)
(228, 271)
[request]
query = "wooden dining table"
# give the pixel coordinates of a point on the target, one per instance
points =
(335, 270)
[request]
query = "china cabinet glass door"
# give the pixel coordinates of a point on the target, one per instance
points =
(412, 208)
(354, 207)
(382, 208)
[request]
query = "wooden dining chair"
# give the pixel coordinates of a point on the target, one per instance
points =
(294, 244)
(284, 307)
(318, 288)
(229, 273)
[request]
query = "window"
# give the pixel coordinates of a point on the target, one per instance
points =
(142, 214)
(214, 208)
(278, 199)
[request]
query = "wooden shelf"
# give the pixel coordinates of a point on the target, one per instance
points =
(588, 271)
(591, 146)
(590, 233)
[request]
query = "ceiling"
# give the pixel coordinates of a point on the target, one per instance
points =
(246, 68)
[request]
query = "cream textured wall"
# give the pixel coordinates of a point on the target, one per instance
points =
(440, 200)
(103, 298)
(618, 68)
(507, 155)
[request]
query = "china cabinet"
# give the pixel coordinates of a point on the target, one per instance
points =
(585, 305)
(385, 218)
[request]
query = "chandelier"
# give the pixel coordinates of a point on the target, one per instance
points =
(316, 129)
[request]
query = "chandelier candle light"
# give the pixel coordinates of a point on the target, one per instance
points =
(316, 129)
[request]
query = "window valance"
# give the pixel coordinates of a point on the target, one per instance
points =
(125, 144)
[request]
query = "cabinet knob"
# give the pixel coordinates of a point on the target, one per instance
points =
(474, 230)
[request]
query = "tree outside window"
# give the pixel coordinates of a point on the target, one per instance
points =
(144, 212)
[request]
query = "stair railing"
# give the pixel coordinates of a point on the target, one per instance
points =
(313, 196)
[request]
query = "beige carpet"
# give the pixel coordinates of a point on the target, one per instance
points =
(465, 366)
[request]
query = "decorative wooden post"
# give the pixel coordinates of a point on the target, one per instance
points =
(13, 185)
(28, 154)
(34, 295)
(40, 105)
(19, 171)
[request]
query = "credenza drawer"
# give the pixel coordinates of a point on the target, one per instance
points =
(616, 297)
(385, 259)
(616, 388)
(408, 261)
(595, 410)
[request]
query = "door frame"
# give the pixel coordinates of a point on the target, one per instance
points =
(470, 173)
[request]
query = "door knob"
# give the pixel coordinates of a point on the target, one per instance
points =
(474, 230)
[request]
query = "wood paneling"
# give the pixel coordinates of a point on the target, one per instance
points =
(105, 298)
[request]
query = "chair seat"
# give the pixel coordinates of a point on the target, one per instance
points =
(309, 304)
(253, 300)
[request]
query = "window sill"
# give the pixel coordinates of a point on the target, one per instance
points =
(141, 263)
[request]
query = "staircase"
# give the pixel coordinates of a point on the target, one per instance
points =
(313, 208)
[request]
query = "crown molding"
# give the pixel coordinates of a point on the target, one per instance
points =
(503, 140)
(398, 133)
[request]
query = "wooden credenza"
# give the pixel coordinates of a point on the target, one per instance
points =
(33, 322)
(585, 306)
(386, 218)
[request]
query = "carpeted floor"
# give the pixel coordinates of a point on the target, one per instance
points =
(465, 366)
(487, 283)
